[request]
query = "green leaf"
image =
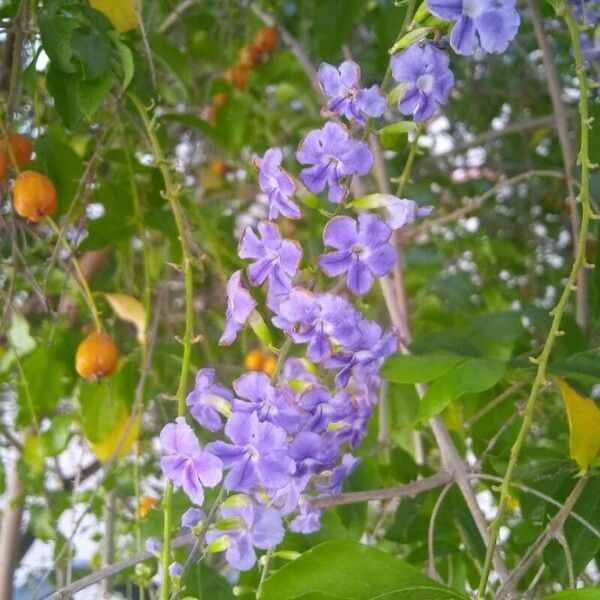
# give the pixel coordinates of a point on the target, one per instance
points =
(93, 51)
(39, 386)
(55, 439)
(64, 87)
(20, 341)
(57, 38)
(93, 93)
(206, 583)
(354, 571)
(470, 377)
(410, 368)
(126, 57)
(582, 594)
(393, 136)
(42, 522)
(583, 366)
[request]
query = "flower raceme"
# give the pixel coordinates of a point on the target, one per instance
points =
(288, 439)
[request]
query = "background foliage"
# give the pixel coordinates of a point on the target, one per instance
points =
(481, 277)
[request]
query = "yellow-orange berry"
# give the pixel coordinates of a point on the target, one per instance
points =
(22, 148)
(96, 356)
(219, 167)
(238, 75)
(3, 165)
(270, 365)
(254, 360)
(34, 196)
(219, 99)
(266, 39)
(146, 504)
(251, 56)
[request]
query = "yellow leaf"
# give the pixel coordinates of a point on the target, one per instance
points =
(584, 425)
(123, 14)
(131, 310)
(105, 449)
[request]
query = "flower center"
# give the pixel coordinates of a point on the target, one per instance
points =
(471, 7)
(425, 83)
(358, 249)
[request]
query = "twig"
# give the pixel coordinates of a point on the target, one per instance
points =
(566, 143)
(550, 532)
(559, 309)
(562, 540)
(111, 570)
(409, 489)
(431, 570)
(174, 16)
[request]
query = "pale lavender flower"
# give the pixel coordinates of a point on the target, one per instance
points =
(336, 478)
(362, 250)
(240, 305)
(186, 464)
(191, 517)
(403, 212)
(323, 408)
(258, 455)
(308, 519)
(176, 570)
(333, 155)
(489, 23)
(268, 402)
(153, 546)
(277, 185)
(209, 400)
(276, 258)
(254, 526)
(295, 370)
(425, 71)
(316, 319)
(346, 97)
(312, 453)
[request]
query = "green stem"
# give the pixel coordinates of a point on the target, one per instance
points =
(87, 292)
(171, 194)
(405, 177)
(559, 309)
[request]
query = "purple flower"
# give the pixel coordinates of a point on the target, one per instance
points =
(176, 570)
(209, 400)
(316, 320)
(240, 305)
(323, 408)
(494, 22)
(425, 71)
(362, 250)
(342, 87)
(277, 184)
(254, 526)
(258, 455)
(295, 370)
(339, 473)
(186, 465)
(153, 546)
(275, 258)
(403, 212)
(365, 358)
(334, 155)
(191, 517)
(312, 453)
(268, 402)
(308, 519)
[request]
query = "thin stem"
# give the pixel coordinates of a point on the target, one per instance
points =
(558, 311)
(87, 292)
(263, 575)
(171, 194)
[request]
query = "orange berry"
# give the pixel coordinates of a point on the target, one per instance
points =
(34, 196)
(146, 504)
(266, 39)
(219, 99)
(96, 356)
(251, 56)
(238, 75)
(219, 167)
(270, 365)
(3, 165)
(255, 360)
(22, 148)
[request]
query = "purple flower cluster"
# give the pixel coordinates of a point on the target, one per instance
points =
(287, 440)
